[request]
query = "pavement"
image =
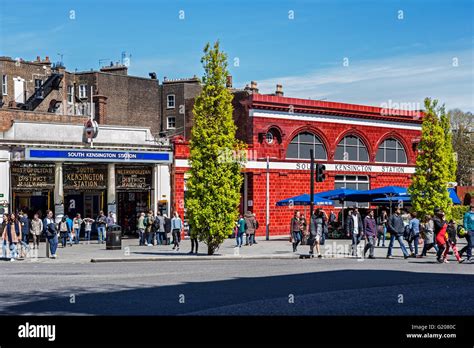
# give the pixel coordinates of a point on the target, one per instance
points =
(277, 247)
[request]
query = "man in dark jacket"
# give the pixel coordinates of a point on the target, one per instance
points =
(395, 228)
(355, 229)
(167, 228)
(370, 233)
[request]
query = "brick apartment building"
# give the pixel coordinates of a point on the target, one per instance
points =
(44, 87)
(362, 147)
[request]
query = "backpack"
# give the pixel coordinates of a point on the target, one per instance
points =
(461, 231)
(156, 224)
(407, 233)
(256, 224)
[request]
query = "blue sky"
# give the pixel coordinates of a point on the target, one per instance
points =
(390, 56)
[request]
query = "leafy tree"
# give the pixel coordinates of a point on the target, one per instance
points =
(463, 144)
(213, 188)
(433, 167)
(448, 147)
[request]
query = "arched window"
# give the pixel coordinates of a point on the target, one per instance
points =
(302, 143)
(351, 148)
(391, 151)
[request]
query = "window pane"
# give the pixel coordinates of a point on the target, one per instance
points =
(339, 153)
(390, 143)
(362, 178)
(306, 138)
(292, 151)
(363, 186)
(402, 157)
(295, 140)
(390, 155)
(351, 178)
(363, 155)
(352, 186)
(304, 150)
(352, 151)
(338, 185)
(320, 153)
(379, 156)
(339, 177)
(351, 140)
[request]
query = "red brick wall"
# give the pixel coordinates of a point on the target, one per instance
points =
(7, 117)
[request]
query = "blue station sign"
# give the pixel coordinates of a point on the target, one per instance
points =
(79, 155)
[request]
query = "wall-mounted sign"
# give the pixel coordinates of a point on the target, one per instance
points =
(78, 155)
(133, 178)
(32, 177)
(84, 178)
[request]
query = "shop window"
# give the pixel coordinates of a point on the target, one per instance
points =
(301, 145)
(351, 148)
(391, 151)
(354, 182)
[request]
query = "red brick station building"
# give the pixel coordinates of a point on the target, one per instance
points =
(362, 147)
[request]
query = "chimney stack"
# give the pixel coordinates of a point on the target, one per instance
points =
(279, 90)
(229, 81)
(46, 59)
(253, 87)
(38, 58)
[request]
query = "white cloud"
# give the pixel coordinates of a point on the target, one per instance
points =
(402, 79)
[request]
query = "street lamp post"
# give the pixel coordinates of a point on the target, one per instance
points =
(267, 224)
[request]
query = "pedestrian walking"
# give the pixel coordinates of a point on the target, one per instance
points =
(396, 228)
(141, 229)
(3, 224)
(256, 228)
(251, 224)
(159, 229)
(23, 243)
(370, 234)
(428, 235)
(12, 235)
(303, 229)
(382, 221)
(149, 221)
(316, 231)
(167, 229)
(468, 222)
(77, 225)
(451, 242)
(64, 231)
(194, 240)
(71, 234)
(414, 234)
(88, 229)
(101, 222)
(240, 231)
(50, 231)
(36, 230)
(176, 227)
(295, 230)
(355, 229)
(440, 227)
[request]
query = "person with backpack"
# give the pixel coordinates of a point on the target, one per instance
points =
(440, 227)
(414, 234)
(451, 232)
(176, 227)
(159, 228)
(468, 223)
(251, 224)
(241, 225)
(64, 231)
(101, 222)
(149, 222)
(396, 228)
(50, 231)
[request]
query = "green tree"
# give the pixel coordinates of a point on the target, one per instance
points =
(433, 167)
(463, 144)
(445, 123)
(213, 189)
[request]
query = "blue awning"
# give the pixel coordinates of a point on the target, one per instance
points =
(304, 200)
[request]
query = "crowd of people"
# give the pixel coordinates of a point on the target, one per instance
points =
(248, 225)
(405, 228)
(18, 231)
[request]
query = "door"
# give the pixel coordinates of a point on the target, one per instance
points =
(19, 89)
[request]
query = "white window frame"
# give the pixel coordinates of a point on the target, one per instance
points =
(316, 141)
(345, 181)
(4, 84)
(70, 94)
(398, 146)
(168, 101)
(356, 146)
(168, 122)
(82, 91)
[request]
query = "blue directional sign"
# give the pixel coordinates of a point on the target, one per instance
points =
(78, 155)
